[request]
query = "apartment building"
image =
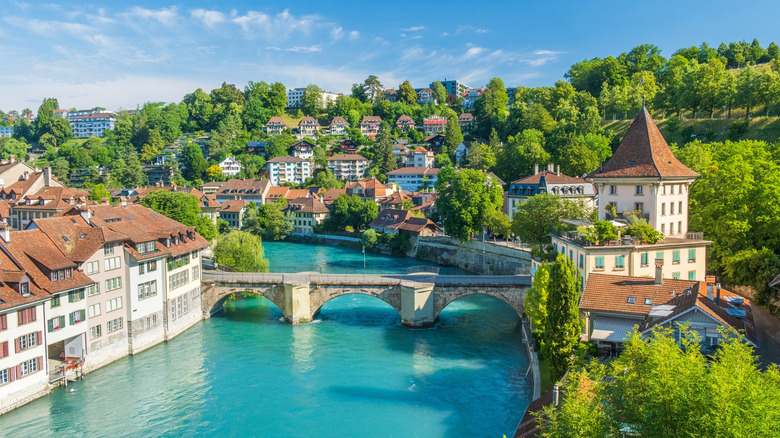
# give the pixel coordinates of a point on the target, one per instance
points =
(348, 166)
(288, 169)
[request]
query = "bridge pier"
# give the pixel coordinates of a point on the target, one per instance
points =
(297, 303)
(417, 304)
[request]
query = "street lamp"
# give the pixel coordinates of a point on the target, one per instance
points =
(364, 258)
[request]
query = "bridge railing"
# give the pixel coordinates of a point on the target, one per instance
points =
(313, 277)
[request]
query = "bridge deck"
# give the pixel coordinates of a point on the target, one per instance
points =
(304, 277)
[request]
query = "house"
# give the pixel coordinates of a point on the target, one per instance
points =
(348, 146)
(643, 179)
(338, 126)
(396, 200)
(209, 207)
(394, 221)
(466, 122)
(275, 126)
(425, 96)
(435, 123)
(435, 142)
(553, 182)
(307, 213)
(405, 123)
(233, 211)
(330, 195)
(612, 305)
(369, 189)
(288, 169)
(471, 96)
(256, 147)
(46, 202)
(414, 179)
(348, 166)
(302, 149)
(420, 157)
(230, 166)
(308, 127)
(369, 126)
(91, 125)
(390, 95)
(250, 190)
(6, 131)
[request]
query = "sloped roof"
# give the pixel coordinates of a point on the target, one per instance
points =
(610, 293)
(643, 153)
(415, 171)
(307, 205)
(338, 120)
(367, 119)
(552, 178)
(347, 157)
(233, 205)
(276, 120)
(286, 160)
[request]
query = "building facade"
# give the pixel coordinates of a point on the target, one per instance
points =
(348, 166)
(288, 169)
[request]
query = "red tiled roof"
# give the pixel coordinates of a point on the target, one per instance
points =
(286, 160)
(307, 205)
(610, 293)
(338, 121)
(552, 178)
(276, 120)
(233, 205)
(642, 153)
(347, 157)
(367, 119)
(415, 171)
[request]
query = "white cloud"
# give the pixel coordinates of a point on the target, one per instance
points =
(165, 16)
(337, 33)
(413, 29)
(472, 52)
(547, 52)
(469, 29)
(276, 28)
(354, 35)
(309, 49)
(209, 18)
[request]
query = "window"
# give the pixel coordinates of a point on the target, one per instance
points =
(95, 332)
(55, 301)
(75, 296)
(93, 289)
(173, 310)
(679, 207)
(179, 279)
(195, 272)
(24, 289)
(580, 265)
(644, 259)
(55, 323)
(114, 325)
(4, 376)
(671, 208)
(148, 289)
(25, 316)
(29, 340)
(141, 268)
(114, 304)
(663, 209)
(93, 267)
(29, 366)
(663, 228)
(639, 206)
(113, 283)
(659, 255)
(112, 263)
(151, 266)
(3, 322)
(613, 190)
(679, 227)
(676, 275)
(640, 190)
(648, 301)
(671, 190)
(77, 317)
(671, 228)
(108, 248)
(663, 190)
(691, 255)
(93, 310)
(600, 262)
(692, 275)
(630, 300)
(676, 257)
(620, 262)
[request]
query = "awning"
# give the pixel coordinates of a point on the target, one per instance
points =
(608, 329)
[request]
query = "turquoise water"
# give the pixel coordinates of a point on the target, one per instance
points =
(354, 372)
(292, 257)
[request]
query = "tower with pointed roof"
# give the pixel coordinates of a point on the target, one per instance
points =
(643, 178)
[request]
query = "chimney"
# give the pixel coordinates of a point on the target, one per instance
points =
(47, 176)
(659, 275)
(124, 204)
(536, 169)
(717, 295)
(12, 159)
(558, 169)
(5, 231)
(104, 200)
(710, 292)
(85, 214)
(26, 176)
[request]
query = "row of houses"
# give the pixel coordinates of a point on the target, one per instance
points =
(87, 287)
(369, 125)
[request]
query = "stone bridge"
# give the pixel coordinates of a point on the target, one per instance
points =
(419, 298)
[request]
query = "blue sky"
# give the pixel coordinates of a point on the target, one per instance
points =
(122, 54)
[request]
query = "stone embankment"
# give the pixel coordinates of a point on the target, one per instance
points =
(479, 257)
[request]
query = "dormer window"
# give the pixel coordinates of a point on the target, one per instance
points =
(648, 301)
(631, 300)
(24, 289)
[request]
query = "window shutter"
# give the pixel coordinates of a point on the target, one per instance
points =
(12, 374)
(4, 349)
(40, 363)
(83, 316)
(51, 325)
(17, 344)
(72, 319)
(33, 314)
(18, 371)
(81, 294)
(40, 337)
(62, 321)
(3, 322)
(20, 317)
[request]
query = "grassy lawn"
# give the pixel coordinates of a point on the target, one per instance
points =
(761, 128)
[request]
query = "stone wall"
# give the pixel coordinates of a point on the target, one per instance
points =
(474, 256)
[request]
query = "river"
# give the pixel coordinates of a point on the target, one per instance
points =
(354, 371)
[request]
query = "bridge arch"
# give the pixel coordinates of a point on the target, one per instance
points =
(321, 294)
(442, 300)
(213, 296)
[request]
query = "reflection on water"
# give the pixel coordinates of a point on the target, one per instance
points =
(355, 372)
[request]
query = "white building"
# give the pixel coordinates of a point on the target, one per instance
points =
(6, 131)
(230, 166)
(553, 182)
(348, 166)
(295, 95)
(288, 169)
(91, 125)
(420, 157)
(414, 179)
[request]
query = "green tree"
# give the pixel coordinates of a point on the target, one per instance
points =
(564, 327)
(241, 251)
(369, 238)
(98, 192)
(439, 93)
(277, 224)
(351, 211)
(480, 157)
(536, 217)
(384, 159)
(499, 224)
(373, 88)
(452, 134)
(12, 146)
(490, 108)
(181, 207)
(467, 202)
(520, 153)
(195, 164)
(535, 304)
(312, 100)
(406, 94)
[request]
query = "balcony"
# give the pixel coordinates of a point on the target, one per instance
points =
(624, 216)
